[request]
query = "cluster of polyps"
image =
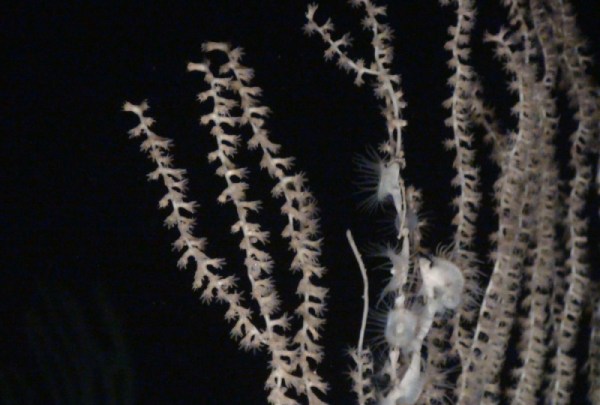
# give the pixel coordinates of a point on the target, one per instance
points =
(406, 326)
(420, 287)
(442, 284)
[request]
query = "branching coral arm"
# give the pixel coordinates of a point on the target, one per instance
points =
(301, 230)
(214, 285)
(257, 261)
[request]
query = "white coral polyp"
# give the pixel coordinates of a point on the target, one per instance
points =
(400, 327)
(443, 282)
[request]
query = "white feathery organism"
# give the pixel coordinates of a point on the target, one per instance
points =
(396, 264)
(401, 327)
(378, 180)
(442, 281)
